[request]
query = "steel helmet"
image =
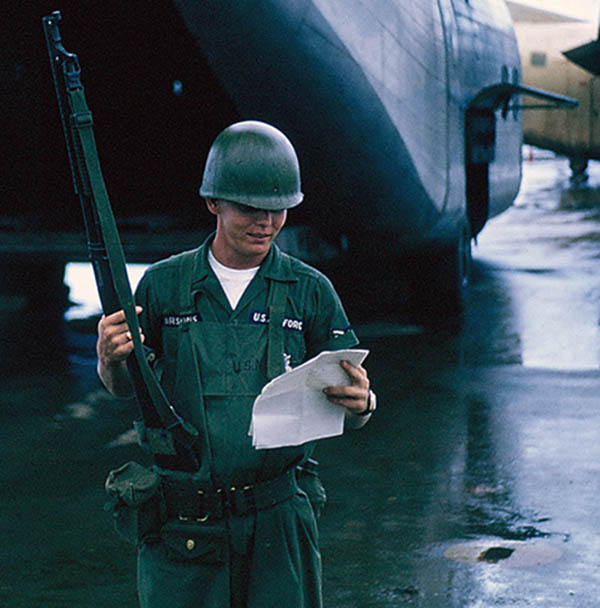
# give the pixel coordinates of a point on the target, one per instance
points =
(254, 164)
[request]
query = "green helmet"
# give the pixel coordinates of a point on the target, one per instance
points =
(254, 164)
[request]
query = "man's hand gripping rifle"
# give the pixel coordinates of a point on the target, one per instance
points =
(173, 441)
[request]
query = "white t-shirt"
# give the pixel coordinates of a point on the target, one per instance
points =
(233, 280)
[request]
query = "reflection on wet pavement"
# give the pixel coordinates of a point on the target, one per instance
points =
(486, 440)
(546, 247)
(475, 484)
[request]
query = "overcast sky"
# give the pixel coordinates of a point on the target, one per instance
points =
(583, 9)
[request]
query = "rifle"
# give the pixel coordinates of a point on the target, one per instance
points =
(173, 441)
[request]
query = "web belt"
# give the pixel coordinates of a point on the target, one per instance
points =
(189, 503)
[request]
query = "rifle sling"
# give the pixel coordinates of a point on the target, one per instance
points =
(81, 121)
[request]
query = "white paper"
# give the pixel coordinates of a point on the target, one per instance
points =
(292, 409)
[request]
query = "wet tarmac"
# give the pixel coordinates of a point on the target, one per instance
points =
(474, 485)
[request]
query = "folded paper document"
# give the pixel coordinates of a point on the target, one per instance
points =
(292, 409)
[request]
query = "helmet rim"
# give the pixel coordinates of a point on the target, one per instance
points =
(254, 164)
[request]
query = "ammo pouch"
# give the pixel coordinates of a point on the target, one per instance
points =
(307, 476)
(136, 503)
(204, 542)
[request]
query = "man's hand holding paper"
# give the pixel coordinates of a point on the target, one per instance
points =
(355, 396)
(304, 403)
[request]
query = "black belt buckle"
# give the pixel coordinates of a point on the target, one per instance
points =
(203, 509)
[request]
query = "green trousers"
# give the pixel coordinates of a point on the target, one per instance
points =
(267, 559)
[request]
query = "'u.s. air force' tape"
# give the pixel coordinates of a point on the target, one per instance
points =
(262, 318)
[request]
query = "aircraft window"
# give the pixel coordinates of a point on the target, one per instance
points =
(538, 59)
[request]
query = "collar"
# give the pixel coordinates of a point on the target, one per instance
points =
(276, 266)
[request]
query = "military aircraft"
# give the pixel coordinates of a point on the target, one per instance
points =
(556, 53)
(404, 113)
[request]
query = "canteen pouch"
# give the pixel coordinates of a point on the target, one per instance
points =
(135, 503)
(204, 543)
(307, 476)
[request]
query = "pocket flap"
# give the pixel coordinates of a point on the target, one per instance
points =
(205, 543)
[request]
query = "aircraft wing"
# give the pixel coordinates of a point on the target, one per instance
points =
(586, 56)
(523, 13)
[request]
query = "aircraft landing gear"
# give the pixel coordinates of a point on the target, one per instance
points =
(454, 270)
(441, 280)
(415, 288)
(578, 166)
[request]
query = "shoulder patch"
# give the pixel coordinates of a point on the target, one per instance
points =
(337, 333)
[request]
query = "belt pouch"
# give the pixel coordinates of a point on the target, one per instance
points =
(307, 476)
(135, 495)
(202, 542)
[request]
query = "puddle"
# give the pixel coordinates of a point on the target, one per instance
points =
(579, 198)
(505, 553)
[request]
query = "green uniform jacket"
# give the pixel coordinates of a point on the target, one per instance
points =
(214, 360)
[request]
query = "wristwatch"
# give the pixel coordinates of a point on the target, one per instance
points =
(371, 404)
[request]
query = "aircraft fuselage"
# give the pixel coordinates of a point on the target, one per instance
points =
(402, 146)
(374, 97)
